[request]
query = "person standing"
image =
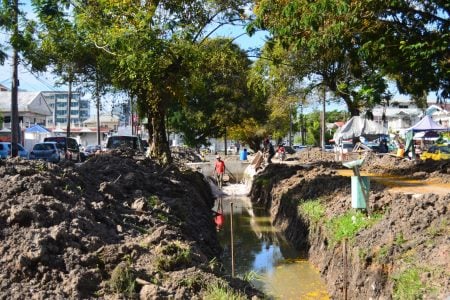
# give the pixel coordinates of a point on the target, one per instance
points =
(268, 149)
(219, 170)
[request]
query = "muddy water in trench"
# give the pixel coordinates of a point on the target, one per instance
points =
(282, 271)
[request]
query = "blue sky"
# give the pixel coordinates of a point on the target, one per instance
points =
(33, 82)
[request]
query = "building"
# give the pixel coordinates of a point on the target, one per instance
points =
(33, 109)
(80, 109)
(111, 123)
(400, 114)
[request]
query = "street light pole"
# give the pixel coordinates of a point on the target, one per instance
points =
(290, 124)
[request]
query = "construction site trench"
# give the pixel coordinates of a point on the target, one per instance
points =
(122, 226)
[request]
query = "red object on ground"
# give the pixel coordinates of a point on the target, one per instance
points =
(219, 219)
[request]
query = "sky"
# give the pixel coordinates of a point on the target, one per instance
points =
(33, 82)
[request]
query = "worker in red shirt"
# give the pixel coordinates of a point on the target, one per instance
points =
(219, 170)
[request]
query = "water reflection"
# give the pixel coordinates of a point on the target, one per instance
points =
(260, 248)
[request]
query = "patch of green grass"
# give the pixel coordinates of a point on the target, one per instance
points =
(407, 284)
(250, 276)
(383, 253)
(220, 292)
(123, 279)
(312, 209)
(162, 216)
(399, 239)
(153, 201)
(348, 225)
(174, 256)
(440, 229)
(194, 282)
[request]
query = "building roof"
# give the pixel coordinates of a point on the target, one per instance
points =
(103, 119)
(32, 102)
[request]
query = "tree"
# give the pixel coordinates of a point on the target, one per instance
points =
(366, 41)
(21, 40)
(217, 95)
(152, 43)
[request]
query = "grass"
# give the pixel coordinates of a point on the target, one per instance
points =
(153, 201)
(220, 292)
(174, 256)
(312, 209)
(407, 284)
(123, 279)
(348, 225)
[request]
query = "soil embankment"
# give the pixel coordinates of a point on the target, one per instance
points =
(115, 226)
(401, 251)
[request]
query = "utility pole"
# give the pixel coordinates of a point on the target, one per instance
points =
(15, 130)
(302, 129)
(290, 124)
(97, 104)
(322, 117)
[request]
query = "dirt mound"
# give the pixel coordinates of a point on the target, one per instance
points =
(182, 155)
(415, 169)
(310, 155)
(89, 231)
(402, 252)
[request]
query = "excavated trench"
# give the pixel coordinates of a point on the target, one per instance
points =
(279, 269)
(400, 252)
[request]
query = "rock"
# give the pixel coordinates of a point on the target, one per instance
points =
(140, 204)
(148, 292)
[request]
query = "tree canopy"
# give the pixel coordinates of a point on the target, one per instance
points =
(352, 47)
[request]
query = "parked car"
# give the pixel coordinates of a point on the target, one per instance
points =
(299, 147)
(5, 150)
(73, 149)
(436, 152)
(124, 141)
(49, 151)
(90, 150)
(329, 148)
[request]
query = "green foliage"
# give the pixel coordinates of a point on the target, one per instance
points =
(153, 201)
(175, 255)
(383, 253)
(217, 96)
(219, 291)
(251, 276)
(348, 225)
(399, 239)
(408, 285)
(312, 209)
(441, 228)
(123, 279)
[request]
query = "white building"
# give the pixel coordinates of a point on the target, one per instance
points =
(79, 113)
(33, 108)
(400, 114)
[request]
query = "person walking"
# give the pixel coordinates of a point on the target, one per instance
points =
(219, 170)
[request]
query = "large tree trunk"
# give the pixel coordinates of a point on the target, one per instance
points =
(160, 144)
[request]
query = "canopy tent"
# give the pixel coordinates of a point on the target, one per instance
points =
(358, 126)
(426, 124)
(33, 135)
(37, 129)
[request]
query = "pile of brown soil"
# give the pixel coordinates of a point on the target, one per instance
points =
(405, 251)
(112, 226)
(310, 155)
